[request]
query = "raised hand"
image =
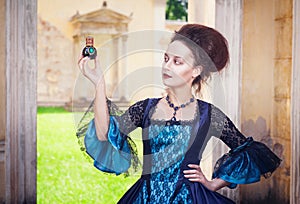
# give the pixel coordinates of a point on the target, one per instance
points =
(94, 74)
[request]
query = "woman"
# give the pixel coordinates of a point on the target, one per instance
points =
(175, 129)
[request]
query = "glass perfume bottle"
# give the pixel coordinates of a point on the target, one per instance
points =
(89, 49)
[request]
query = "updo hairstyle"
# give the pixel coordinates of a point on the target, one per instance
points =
(209, 47)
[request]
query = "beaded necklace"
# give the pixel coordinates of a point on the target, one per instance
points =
(176, 108)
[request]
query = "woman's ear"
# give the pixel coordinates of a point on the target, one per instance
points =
(197, 71)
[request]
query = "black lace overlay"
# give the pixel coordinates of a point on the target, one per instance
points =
(131, 118)
(127, 121)
(247, 160)
(83, 126)
(222, 127)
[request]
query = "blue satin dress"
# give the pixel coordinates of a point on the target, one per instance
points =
(168, 147)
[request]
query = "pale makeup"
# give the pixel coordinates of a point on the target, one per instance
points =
(178, 73)
(177, 67)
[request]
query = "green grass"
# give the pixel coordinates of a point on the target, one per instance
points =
(64, 174)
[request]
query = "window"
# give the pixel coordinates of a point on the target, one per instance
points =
(177, 10)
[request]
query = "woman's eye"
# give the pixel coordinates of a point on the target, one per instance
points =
(166, 58)
(177, 62)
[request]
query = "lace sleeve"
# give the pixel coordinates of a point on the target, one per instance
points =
(119, 152)
(222, 127)
(131, 118)
(247, 160)
(128, 120)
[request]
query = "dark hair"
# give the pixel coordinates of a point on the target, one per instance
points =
(209, 47)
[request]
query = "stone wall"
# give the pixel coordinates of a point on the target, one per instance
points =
(56, 73)
(266, 86)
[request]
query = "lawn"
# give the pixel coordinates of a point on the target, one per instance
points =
(64, 174)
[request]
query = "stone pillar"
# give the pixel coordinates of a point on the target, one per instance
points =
(281, 128)
(229, 23)
(2, 101)
(159, 43)
(113, 80)
(18, 101)
(123, 93)
(295, 112)
(267, 54)
(228, 20)
(159, 14)
(199, 11)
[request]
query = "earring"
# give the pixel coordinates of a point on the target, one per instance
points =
(199, 70)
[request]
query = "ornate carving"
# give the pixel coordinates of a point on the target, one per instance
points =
(102, 21)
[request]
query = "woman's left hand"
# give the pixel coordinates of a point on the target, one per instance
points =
(196, 175)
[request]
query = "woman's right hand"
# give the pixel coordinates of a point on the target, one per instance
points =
(93, 74)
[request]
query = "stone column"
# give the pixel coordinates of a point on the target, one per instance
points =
(266, 95)
(19, 98)
(2, 101)
(159, 14)
(123, 93)
(295, 112)
(281, 121)
(114, 70)
(228, 21)
(159, 41)
(199, 11)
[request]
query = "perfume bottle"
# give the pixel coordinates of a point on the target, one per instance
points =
(89, 49)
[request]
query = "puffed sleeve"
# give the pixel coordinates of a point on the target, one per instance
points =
(247, 160)
(118, 153)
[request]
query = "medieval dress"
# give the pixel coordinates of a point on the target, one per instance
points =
(168, 148)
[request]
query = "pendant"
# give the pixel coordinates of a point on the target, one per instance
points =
(172, 121)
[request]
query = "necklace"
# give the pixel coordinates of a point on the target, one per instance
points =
(176, 108)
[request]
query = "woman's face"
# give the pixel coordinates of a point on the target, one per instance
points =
(177, 68)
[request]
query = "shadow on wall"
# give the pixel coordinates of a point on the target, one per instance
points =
(259, 131)
(267, 190)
